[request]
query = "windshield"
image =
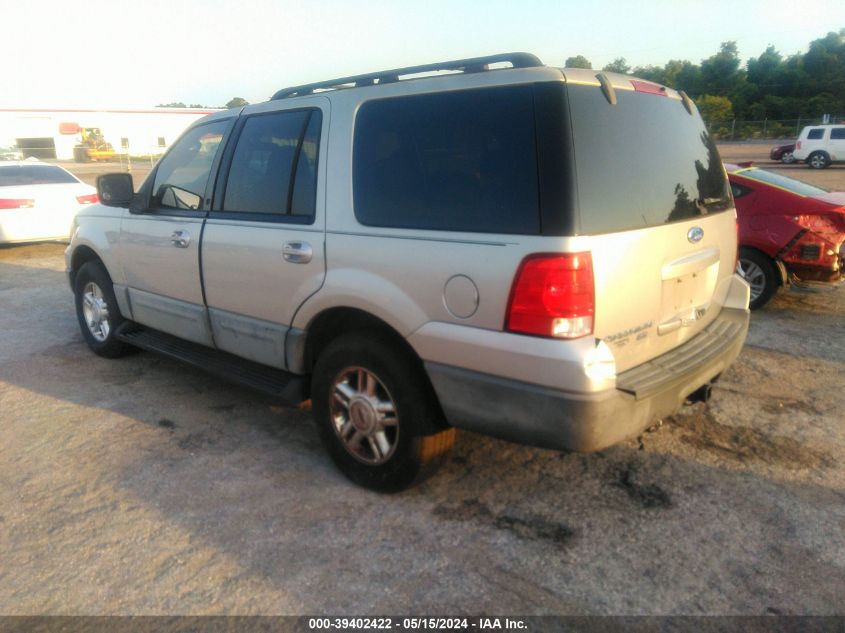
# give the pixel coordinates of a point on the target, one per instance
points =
(790, 184)
(643, 162)
(16, 175)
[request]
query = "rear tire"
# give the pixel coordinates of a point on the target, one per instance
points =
(761, 274)
(375, 412)
(818, 160)
(97, 311)
(787, 158)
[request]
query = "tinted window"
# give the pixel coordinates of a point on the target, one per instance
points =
(771, 178)
(643, 162)
(182, 174)
(816, 134)
(13, 175)
(305, 181)
(458, 161)
(837, 133)
(274, 150)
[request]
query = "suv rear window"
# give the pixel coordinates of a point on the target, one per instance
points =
(454, 161)
(642, 162)
(16, 175)
(815, 134)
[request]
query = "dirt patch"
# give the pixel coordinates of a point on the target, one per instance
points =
(195, 441)
(745, 444)
(224, 408)
(646, 495)
(531, 527)
(789, 406)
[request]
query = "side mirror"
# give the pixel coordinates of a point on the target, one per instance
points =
(115, 190)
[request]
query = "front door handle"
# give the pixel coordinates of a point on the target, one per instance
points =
(180, 239)
(297, 252)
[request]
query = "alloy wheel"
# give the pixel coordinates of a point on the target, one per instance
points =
(96, 311)
(363, 415)
(755, 277)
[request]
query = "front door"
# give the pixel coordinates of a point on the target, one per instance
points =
(263, 250)
(160, 241)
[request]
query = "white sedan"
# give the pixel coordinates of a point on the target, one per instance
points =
(39, 201)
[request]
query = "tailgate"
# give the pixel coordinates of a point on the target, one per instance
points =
(654, 198)
(655, 289)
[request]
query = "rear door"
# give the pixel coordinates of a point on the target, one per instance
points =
(160, 241)
(653, 195)
(263, 250)
(837, 143)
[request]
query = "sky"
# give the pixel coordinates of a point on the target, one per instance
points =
(118, 54)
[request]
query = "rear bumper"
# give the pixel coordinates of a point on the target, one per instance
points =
(550, 418)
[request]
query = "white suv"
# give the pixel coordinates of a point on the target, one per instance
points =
(540, 254)
(820, 145)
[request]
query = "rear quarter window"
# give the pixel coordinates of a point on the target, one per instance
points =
(453, 161)
(815, 134)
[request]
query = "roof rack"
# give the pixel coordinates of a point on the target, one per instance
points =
(472, 65)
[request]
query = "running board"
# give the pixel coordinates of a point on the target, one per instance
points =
(278, 383)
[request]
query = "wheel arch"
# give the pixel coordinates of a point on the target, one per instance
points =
(779, 265)
(822, 152)
(81, 255)
(337, 321)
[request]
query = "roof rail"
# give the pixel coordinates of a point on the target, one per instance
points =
(472, 65)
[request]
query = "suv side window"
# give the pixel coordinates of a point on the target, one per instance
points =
(182, 175)
(837, 133)
(454, 161)
(273, 169)
(815, 134)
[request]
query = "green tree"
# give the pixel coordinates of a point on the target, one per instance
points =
(175, 104)
(579, 61)
(720, 74)
(652, 73)
(237, 102)
(715, 109)
(618, 65)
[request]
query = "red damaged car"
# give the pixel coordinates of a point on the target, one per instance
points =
(789, 232)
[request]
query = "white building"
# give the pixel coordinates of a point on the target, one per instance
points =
(54, 133)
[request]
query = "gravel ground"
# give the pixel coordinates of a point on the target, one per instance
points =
(141, 486)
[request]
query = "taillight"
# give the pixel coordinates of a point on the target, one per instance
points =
(798, 145)
(553, 295)
(91, 198)
(648, 87)
(16, 203)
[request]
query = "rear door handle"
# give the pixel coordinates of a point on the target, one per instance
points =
(180, 239)
(297, 252)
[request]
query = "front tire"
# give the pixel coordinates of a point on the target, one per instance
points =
(376, 413)
(818, 160)
(787, 158)
(760, 273)
(97, 311)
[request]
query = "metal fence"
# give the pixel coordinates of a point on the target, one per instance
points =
(130, 156)
(739, 130)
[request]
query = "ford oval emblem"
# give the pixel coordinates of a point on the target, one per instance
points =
(695, 234)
